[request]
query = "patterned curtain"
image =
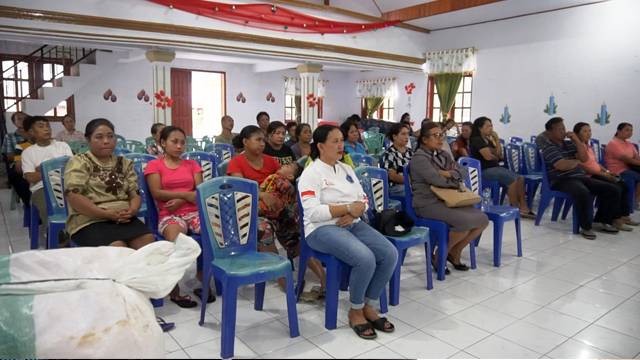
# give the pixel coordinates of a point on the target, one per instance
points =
(385, 87)
(451, 61)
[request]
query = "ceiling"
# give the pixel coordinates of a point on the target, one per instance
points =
(472, 15)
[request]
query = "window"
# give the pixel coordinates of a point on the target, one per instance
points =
(16, 77)
(290, 108)
(21, 79)
(461, 110)
(384, 112)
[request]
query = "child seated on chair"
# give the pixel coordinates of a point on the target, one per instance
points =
(44, 148)
(276, 184)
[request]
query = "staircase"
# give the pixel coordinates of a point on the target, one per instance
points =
(87, 65)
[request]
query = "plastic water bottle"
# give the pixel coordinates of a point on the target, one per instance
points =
(486, 198)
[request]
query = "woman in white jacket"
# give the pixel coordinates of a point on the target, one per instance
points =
(333, 202)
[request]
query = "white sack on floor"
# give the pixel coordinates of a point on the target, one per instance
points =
(88, 302)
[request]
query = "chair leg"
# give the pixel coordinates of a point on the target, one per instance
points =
(576, 222)
(557, 206)
(472, 252)
(206, 280)
(532, 188)
(345, 275)
(229, 302)
(498, 227)
(331, 297)
(567, 207)
(518, 236)
(259, 296)
(427, 251)
(442, 254)
(394, 282)
(542, 206)
(292, 312)
(384, 308)
(302, 267)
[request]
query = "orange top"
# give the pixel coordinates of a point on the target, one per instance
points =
(616, 148)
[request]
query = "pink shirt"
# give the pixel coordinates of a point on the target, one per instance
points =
(617, 148)
(591, 166)
(180, 179)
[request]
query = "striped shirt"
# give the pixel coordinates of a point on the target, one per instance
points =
(11, 140)
(392, 159)
(553, 152)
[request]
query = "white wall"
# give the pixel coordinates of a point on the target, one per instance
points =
(584, 55)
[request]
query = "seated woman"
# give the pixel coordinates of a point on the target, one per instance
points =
(303, 146)
(279, 209)
(172, 183)
(622, 157)
(485, 146)
(406, 119)
(593, 169)
(155, 148)
(430, 165)
(275, 146)
(352, 142)
(396, 157)
(333, 202)
(460, 147)
(102, 193)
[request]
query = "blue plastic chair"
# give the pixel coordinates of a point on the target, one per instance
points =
(228, 208)
(121, 141)
(222, 151)
(516, 140)
(337, 274)
(533, 138)
(498, 214)
(374, 182)
(546, 195)
(140, 162)
(208, 162)
(362, 159)
(515, 160)
(222, 168)
(532, 165)
(52, 179)
(119, 151)
(595, 145)
(438, 230)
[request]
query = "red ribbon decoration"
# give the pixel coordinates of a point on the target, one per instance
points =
(270, 17)
(409, 88)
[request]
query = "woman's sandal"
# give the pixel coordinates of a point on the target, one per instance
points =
(382, 324)
(184, 301)
(198, 293)
(459, 266)
(361, 330)
(527, 215)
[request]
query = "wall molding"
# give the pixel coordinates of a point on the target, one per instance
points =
(135, 25)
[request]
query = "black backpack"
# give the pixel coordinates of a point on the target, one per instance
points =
(392, 222)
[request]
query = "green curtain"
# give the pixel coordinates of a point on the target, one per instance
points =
(447, 85)
(373, 103)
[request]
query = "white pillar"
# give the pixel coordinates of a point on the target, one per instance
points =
(161, 81)
(309, 74)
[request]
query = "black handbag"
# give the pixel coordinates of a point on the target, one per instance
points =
(392, 222)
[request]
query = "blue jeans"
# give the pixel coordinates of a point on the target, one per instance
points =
(371, 256)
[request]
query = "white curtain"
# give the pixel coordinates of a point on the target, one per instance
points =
(384, 87)
(451, 61)
(292, 86)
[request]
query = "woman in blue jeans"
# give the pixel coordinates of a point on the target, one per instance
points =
(333, 202)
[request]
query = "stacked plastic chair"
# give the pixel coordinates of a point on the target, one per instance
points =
(53, 181)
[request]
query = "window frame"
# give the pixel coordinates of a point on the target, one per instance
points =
(431, 93)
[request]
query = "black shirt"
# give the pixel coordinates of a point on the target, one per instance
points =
(478, 142)
(284, 155)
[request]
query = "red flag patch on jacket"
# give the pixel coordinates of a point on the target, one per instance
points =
(308, 194)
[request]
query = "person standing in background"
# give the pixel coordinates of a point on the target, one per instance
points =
(226, 136)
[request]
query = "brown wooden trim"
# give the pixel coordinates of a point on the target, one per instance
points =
(432, 8)
(134, 25)
(191, 45)
(327, 8)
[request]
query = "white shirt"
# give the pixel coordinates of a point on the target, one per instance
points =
(321, 185)
(35, 154)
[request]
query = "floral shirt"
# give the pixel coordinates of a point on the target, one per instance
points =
(109, 186)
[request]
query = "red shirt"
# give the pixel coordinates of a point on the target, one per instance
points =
(615, 150)
(180, 179)
(240, 165)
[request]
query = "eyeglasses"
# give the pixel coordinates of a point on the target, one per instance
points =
(437, 135)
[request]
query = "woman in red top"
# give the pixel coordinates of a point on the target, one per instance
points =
(622, 158)
(592, 168)
(253, 164)
(172, 183)
(460, 147)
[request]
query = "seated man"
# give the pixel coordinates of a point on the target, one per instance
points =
(562, 159)
(12, 146)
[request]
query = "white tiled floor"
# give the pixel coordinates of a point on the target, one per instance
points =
(566, 298)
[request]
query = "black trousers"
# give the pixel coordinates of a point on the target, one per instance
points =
(19, 184)
(582, 191)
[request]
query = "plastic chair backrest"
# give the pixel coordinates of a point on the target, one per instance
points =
(374, 142)
(228, 208)
(373, 129)
(546, 187)
(118, 151)
(191, 140)
(140, 162)
(222, 168)
(222, 151)
(474, 180)
(374, 183)
(450, 139)
(533, 138)
(531, 160)
(595, 145)
(603, 150)
(135, 146)
(302, 161)
(362, 159)
(413, 141)
(121, 141)
(78, 147)
(408, 192)
(516, 140)
(192, 147)
(149, 140)
(514, 157)
(52, 171)
(208, 162)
